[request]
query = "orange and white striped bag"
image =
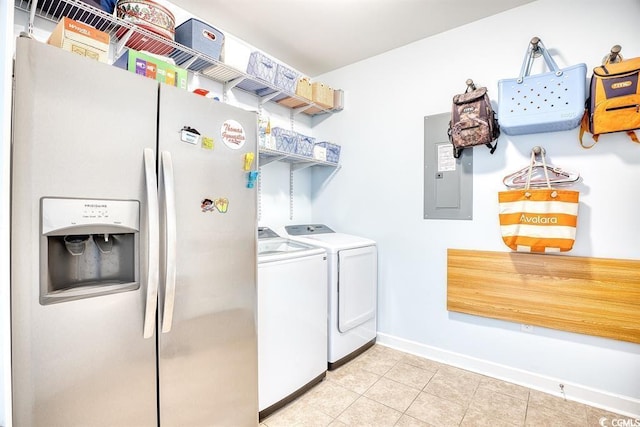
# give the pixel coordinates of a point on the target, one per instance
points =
(538, 219)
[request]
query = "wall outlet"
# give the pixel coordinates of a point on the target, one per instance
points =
(527, 328)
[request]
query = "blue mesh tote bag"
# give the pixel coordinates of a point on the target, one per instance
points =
(545, 102)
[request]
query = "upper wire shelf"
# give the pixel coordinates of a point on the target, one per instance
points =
(121, 32)
(298, 161)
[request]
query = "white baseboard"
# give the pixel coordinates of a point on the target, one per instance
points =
(622, 405)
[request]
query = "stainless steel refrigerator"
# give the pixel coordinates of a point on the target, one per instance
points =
(133, 250)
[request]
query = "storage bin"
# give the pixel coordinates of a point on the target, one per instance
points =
(319, 153)
(262, 67)
(304, 145)
(286, 79)
(333, 151)
(150, 16)
(322, 95)
(60, 8)
(338, 99)
(285, 139)
(202, 38)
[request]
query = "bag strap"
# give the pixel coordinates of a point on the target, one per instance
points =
(536, 47)
(584, 127)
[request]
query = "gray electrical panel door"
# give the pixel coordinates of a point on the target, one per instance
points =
(448, 182)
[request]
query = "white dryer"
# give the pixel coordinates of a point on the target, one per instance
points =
(353, 286)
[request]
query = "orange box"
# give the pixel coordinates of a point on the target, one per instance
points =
(80, 38)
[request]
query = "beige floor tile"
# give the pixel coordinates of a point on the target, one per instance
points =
(540, 416)
(557, 404)
(329, 397)
(507, 409)
(594, 415)
(407, 421)
(378, 362)
(297, 414)
(354, 378)
(436, 411)
(453, 384)
(474, 418)
(366, 412)
(411, 375)
(421, 362)
(336, 423)
(504, 387)
(392, 394)
(388, 352)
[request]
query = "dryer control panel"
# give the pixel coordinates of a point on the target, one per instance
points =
(306, 229)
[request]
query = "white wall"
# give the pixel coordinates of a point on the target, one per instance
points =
(379, 192)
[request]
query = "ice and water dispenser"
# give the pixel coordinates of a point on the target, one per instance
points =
(88, 248)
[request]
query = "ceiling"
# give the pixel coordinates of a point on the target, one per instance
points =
(317, 36)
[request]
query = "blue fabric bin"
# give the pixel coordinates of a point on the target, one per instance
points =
(333, 151)
(202, 38)
(285, 139)
(304, 145)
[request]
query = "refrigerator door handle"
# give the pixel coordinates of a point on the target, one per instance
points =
(153, 242)
(170, 252)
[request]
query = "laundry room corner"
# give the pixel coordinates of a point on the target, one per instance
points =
(379, 193)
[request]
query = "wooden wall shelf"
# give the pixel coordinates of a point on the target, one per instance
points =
(593, 296)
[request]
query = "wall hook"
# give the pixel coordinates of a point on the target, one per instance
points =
(613, 56)
(470, 85)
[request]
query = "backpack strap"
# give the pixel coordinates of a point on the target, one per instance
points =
(584, 127)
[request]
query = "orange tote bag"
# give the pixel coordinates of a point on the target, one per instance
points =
(538, 219)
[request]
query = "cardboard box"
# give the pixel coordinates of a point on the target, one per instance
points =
(303, 89)
(153, 68)
(322, 95)
(80, 38)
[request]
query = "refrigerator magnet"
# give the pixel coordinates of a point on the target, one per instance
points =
(207, 143)
(207, 205)
(221, 204)
(232, 134)
(189, 135)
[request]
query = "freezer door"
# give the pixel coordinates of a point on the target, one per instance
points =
(207, 350)
(80, 130)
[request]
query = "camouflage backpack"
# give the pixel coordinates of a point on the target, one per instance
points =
(473, 121)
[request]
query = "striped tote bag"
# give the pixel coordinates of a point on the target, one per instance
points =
(538, 219)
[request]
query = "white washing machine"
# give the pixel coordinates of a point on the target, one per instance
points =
(353, 287)
(292, 319)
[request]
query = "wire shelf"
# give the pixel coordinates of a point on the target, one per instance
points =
(125, 34)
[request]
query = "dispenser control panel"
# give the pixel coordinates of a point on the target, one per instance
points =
(58, 214)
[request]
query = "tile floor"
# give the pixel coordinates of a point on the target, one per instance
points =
(386, 387)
